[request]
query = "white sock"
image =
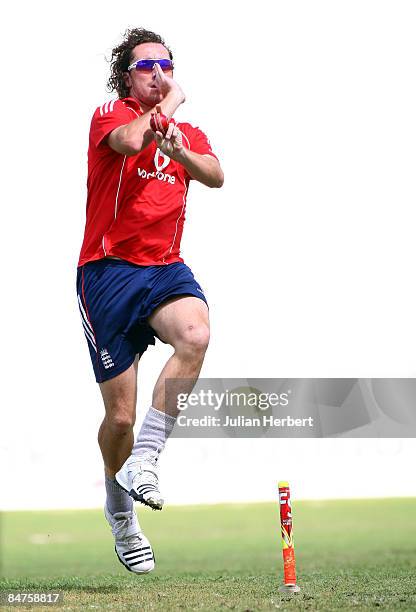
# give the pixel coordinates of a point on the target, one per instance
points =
(155, 430)
(118, 500)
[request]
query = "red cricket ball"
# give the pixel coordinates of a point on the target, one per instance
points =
(159, 122)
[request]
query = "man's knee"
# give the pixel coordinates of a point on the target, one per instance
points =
(120, 420)
(193, 340)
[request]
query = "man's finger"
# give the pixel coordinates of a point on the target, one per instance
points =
(177, 136)
(158, 122)
(158, 69)
(169, 131)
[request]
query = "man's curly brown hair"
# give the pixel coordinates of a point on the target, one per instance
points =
(121, 57)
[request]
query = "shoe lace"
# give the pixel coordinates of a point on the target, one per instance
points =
(147, 463)
(149, 457)
(150, 477)
(125, 528)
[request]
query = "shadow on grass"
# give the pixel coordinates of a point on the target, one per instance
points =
(60, 586)
(94, 589)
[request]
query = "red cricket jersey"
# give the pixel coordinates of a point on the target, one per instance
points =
(135, 205)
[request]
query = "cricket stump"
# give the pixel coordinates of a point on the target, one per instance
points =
(289, 562)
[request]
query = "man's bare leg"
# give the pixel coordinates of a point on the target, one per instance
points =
(184, 324)
(115, 436)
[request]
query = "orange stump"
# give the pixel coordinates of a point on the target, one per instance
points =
(289, 563)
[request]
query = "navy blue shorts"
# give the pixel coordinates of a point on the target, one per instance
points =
(115, 298)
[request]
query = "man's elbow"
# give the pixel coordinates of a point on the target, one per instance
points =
(131, 146)
(125, 144)
(217, 180)
(220, 180)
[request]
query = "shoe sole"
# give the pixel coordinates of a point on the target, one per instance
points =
(150, 503)
(156, 505)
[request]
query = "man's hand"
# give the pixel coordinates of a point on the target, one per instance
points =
(203, 168)
(166, 84)
(171, 143)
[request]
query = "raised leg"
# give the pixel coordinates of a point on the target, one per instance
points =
(184, 323)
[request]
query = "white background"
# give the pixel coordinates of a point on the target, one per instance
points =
(306, 254)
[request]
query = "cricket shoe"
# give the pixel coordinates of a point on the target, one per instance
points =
(139, 477)
(132, 547)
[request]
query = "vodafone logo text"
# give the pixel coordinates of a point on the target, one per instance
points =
(160, 176)
(161, 161)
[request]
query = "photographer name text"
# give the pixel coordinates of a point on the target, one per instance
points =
(242, 421)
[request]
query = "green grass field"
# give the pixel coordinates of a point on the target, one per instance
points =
(350, 555)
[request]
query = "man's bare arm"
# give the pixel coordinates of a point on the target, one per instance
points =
(203, 168)
(133, 137)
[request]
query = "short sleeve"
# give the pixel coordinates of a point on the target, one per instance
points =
(197, 140)
(106, 118)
